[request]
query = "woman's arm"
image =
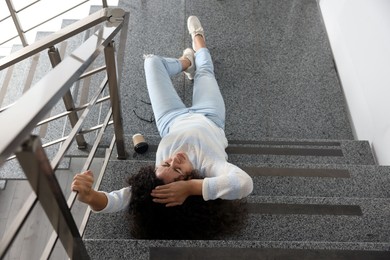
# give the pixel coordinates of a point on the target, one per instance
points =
(99, 201)
(176, 193)
(226, 181)
(82, 183)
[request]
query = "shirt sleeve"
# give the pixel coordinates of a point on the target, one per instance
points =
(226, 181)
(118, 200)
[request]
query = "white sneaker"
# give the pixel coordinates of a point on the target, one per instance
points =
(189, 54)
(194, 28)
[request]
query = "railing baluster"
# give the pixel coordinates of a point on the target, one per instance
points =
(40, 174)
(109, 54)
(16, 21)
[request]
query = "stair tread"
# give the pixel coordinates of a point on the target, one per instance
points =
(14, 84)
(278, 150)
(288, 208)
(211, 249)
(287, 219)
(311, 180)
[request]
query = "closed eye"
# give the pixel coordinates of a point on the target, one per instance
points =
(166, 164)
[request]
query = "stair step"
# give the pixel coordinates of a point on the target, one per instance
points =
(353, 207)
(307, 151)
(359, 220)
(11, 169)
(226, 250)
(362, 181)
(280, 151)
(12, 83)
(330, 228)
(317, 219)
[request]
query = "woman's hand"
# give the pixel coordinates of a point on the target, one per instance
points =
(175, 193)
(82, 183)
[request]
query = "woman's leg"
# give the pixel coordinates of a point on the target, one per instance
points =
(166, 103)
(207, 98)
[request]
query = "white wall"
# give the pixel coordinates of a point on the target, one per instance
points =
(359, 33)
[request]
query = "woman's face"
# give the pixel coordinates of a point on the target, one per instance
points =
(176, 168)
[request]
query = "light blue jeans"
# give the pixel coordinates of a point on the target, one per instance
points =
(166, 103)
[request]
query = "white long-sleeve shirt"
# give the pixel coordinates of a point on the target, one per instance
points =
(205, 145)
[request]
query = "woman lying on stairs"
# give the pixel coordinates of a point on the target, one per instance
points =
(192, 192)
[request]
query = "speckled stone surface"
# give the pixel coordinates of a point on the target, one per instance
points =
(351, 151)
(367, 187)
(272, 61)
(129, 249)
(367, 230)
(155, 27)
(294, 227)
(14, 88)
(362, 182)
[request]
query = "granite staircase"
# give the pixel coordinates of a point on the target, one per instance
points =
(318, 193)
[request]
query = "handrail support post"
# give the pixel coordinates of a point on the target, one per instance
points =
(55, 59)
(109, 53)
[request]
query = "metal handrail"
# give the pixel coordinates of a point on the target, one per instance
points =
(62, 139)
(16, 138)
(12, 138)
(47, 120)
(72, 198)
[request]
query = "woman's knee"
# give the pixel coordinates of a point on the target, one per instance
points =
(151, 60)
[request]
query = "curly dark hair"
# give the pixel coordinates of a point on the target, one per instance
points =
(194, 219)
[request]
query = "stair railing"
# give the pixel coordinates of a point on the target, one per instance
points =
(29, 110)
